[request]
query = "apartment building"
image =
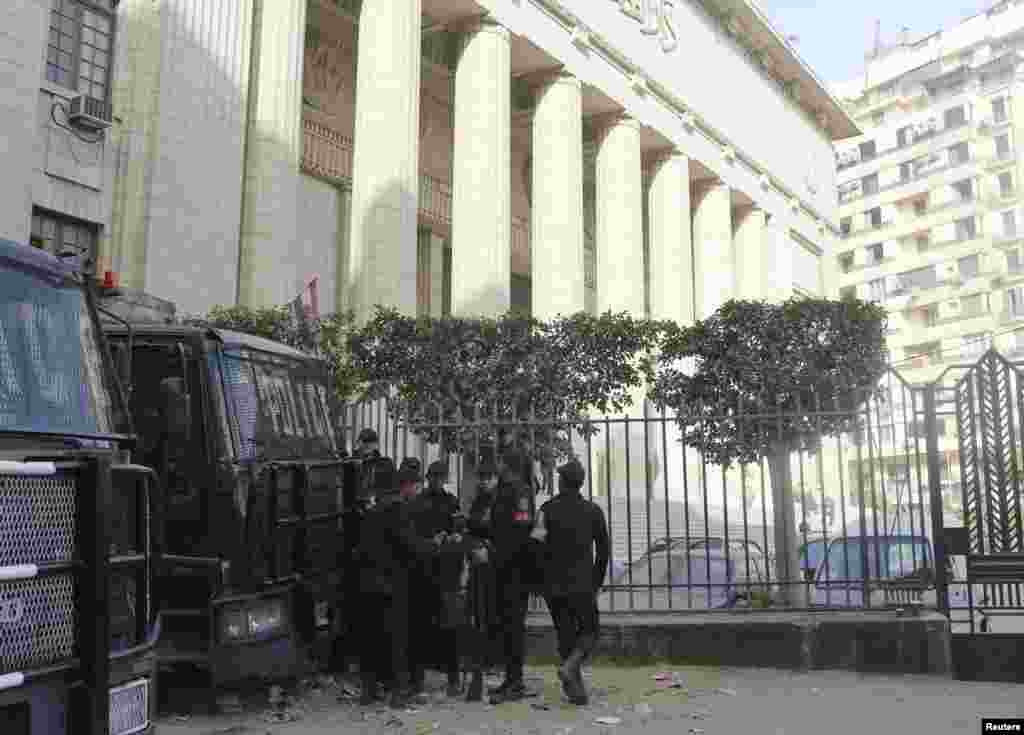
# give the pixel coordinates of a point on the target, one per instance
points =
(931, 223)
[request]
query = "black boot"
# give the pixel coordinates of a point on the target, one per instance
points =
(511, 690)
(476, 686)
(369, 695)
(454, 684)
(572, 678)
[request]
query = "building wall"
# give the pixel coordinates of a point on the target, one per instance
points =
(44, 164)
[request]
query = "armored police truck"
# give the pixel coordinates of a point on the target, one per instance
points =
(77, 625)
(252, 476)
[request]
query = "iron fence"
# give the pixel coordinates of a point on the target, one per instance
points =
(871, 512)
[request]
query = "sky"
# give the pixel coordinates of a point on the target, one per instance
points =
(834, 34)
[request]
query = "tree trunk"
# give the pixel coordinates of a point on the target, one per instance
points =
(787, 559)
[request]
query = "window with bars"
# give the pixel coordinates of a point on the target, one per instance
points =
(999, 109)
(1006, 184)
(79, 51)
(60, 235)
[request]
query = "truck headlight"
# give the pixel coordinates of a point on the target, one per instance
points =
(252, 619)
(267, 616)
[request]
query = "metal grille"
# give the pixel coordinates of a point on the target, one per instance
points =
(124, 609)
(40, 629)
(37, 520)
(129, 708)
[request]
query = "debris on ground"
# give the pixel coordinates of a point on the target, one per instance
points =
(229, 704)
(393, 722)
(608, 720)
(643, 709)
(726, 692)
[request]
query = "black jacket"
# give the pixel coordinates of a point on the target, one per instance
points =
(479, 521)
(512, 515)
(389, 549)
(433, 511)
(577, 549)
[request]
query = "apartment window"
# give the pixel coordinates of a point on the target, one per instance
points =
(920, 206)
(868, 150)
(874, 216)
(971, 306)
(964, 189)
(875, 253)
(59, 235)
(921, 278)
(904, 136)
(999, 110)
(954, 116)
(968, 267)
(869, 184)
(1009, 218)
(966, 228)
(845, 225)
(846, 261)
(1013, 262)
(876, 289)
(1017, 343)
(959, 153)
(1006, 184)
(1003, 145)
(1015, 301)
(930, 315)
(78, 54)
(905, 172)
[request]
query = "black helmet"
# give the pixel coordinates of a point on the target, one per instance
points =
(412, 466)
(368, 435)
(573, 473)
(437, 468)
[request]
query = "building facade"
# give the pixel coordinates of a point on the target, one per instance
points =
(439, 156)
(930, 206)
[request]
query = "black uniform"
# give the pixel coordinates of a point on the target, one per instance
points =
(434, 586)
(389, 548)
(573, 573)
(512, 517)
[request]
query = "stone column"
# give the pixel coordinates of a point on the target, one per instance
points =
(270, 207)
(557, 211)
(670, 296)
(712, 248)
(482, 186)
(670, 246)
(752, 259)
(619, 232)
(385, 162)
(620, 278)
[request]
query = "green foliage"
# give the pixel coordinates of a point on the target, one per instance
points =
(443, 370)
(755, 376)
(325, 338)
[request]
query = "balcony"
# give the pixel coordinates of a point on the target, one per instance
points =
(327, 155)
(917, 184)
(917, 142)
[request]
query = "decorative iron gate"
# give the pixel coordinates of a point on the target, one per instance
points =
(988, 581)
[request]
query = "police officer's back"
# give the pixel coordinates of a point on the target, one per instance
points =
(576, 550)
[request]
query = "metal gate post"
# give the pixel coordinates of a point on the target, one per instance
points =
(931, 430)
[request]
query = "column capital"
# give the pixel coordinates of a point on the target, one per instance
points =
(550, 77)
(484, 24)
(604, 122)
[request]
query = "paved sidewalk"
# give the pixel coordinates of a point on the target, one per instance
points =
(699, 701)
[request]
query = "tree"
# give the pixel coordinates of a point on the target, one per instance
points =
(758, 380)
(325, 337)
(480, 376)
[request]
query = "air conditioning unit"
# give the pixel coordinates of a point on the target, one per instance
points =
(89, 112)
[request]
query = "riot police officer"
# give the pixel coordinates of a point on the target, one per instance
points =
(389, 550)
(512, 518)
(482, 600)
(433, 515)
(576, 550)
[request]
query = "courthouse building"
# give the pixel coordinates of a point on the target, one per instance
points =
(440, 156)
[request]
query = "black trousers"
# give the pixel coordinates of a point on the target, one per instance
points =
(515, 600)
(431, 643)
(576, 622)
(384, 637)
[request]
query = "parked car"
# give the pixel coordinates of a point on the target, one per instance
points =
(687, 574)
